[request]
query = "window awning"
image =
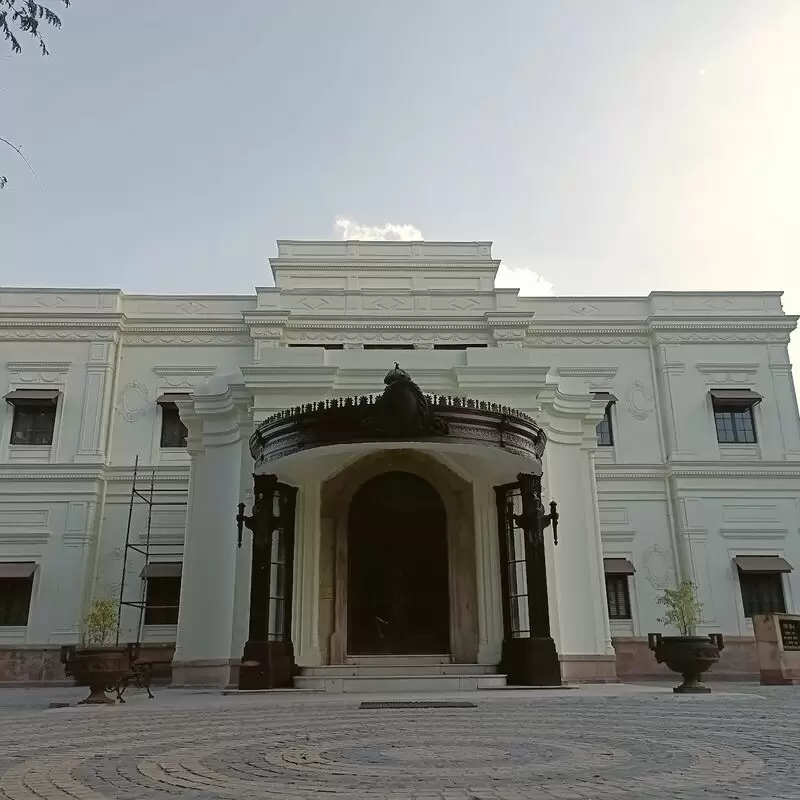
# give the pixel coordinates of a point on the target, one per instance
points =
(46, 397)
(607, 396)
(164, 569)
(24, 569)
(743, 398)
(762, 564)
(172, 397)
(618, 566)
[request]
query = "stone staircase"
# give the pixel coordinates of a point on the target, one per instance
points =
(388, 674)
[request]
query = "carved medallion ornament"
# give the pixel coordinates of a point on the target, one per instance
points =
(133, 400)
(402, 413)
(657, 567)
(639, 400)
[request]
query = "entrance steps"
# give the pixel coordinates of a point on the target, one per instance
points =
(388, 674)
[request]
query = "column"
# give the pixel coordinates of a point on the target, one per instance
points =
(487, 573)
(584, 637)
(305, 591)
(204, 650)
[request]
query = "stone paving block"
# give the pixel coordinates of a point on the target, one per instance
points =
(605, 743)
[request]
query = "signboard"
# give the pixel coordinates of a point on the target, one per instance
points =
(790, 634)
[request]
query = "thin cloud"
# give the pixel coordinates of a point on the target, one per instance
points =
(378, 233)
(529, 283)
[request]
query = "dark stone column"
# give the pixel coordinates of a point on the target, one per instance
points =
(268, 661)
(529, 656)
(543, 664)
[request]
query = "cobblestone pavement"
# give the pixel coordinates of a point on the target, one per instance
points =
(591, 742)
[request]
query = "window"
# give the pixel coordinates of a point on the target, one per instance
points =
(761, 583)
(733, 415)
(762, 593)
(514, 563)
(388, 346)
(16, 585)
(173, 431)
(323, 346)
(605, 429)
(34, 416)
(618, 596)
(456, 346)
(162, 593)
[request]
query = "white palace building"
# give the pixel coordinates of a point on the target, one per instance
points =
(397, 525)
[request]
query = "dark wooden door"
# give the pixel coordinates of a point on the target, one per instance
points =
(398, 596)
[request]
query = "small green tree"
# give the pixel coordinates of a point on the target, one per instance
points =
(101, 621)
(683, 610)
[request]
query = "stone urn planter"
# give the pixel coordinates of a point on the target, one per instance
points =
(690, 656)
(101, 669)
(98, 664)
(686, 654)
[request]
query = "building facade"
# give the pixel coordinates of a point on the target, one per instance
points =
(665, 427)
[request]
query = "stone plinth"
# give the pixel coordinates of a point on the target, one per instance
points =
(778, 642)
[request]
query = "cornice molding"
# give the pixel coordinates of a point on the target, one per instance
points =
(587, 372)
(354, 263)
(361, 324)
(784, 323)
(168, 371)
(749, 368)
(33, 321)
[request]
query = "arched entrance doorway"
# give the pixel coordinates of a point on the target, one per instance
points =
(397, 584)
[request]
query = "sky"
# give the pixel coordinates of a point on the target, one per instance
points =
(607, 148)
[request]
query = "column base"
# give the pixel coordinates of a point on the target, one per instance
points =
(267, 665)
(208, 673)
(592, 668)
(531, 662)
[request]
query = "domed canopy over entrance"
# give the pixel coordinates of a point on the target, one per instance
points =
(401, 416)
(398, 601)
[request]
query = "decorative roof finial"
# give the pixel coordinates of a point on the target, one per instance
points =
(396, 374)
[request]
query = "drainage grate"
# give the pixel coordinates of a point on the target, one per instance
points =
(420, 704)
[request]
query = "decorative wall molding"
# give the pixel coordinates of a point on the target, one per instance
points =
(657, 567)
(756, 335)
(753, 534)
(587, 372)
(227, 336)
(358, 327)
(133, 400)
(724, 373)
(617, 535)
(183, 377)
(639, 400)
(549, 338)
(38, 372)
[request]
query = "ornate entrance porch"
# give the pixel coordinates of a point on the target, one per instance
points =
(375, 597)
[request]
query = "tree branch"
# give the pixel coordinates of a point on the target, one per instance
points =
(3, 179)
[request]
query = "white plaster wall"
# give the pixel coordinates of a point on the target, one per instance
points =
(665, 485)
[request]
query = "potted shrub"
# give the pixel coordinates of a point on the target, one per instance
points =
(686, 654)
(98, 664)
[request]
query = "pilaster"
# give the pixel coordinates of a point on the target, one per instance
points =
(583, 633)
(786, 398)
(216, 418)
(487, 565)
(96, 403)
(305, 591)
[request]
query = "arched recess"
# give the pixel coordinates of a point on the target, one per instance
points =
(456, 495)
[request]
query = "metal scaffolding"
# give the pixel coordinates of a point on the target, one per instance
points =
(147, 498)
